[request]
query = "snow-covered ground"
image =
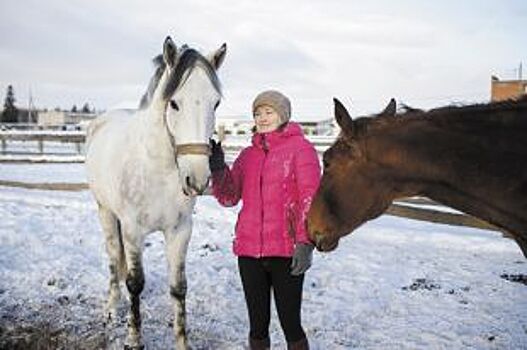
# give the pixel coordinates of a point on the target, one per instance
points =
(393, 284)
(45, 172)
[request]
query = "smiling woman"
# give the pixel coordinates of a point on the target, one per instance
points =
(275, 179)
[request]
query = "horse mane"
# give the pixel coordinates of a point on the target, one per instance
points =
(187, 60)
(499, 106)
(447, 116)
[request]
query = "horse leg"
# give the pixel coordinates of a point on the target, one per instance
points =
(117, 263)
(135, 281)
(176, 241)
(522, 242)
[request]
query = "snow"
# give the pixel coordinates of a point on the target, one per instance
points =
(45, 172)
(392, 284)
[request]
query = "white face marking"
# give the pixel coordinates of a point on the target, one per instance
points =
(190, 117)
(191, 112)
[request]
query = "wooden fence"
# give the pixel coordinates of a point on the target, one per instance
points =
(407, 208)
(40, 137)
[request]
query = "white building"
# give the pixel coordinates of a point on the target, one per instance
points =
(61, 118)
(317, 125)
(242, 125)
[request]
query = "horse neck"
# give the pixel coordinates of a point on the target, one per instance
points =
(401, 153)
(457, 165)
(154, 134)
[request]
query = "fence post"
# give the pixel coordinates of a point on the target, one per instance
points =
(221, 132)
(4, 144)
(41, 145)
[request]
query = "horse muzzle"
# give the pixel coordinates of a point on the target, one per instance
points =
(195, 174)
(324, 243)
(192, 188)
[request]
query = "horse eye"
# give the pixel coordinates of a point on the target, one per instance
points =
(325, 164)
(216, 105)
(174, 105)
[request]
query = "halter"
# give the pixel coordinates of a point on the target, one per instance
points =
(194, 148)
(191, 148)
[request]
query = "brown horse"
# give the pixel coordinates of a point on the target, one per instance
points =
(471, 158)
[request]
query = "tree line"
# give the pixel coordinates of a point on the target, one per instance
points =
(10, 113)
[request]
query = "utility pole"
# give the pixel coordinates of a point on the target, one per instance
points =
(30, 107)
(520, 75)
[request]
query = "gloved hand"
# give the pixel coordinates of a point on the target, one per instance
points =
(217, 157)
(302, 258)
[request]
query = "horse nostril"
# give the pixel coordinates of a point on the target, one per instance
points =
(200, 190)
(187, 181)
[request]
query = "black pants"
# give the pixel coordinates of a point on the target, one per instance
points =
(258, 277)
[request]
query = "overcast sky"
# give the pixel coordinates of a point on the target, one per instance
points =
(423, 53)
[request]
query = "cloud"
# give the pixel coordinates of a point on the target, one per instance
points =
(69, 51)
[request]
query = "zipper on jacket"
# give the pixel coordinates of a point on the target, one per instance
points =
(265, 150)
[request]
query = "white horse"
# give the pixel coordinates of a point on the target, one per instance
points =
(145, 168)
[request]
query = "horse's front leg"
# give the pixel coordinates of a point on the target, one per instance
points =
(135, 281)
(177, 240)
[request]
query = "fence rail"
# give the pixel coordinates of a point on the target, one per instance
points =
(403, 208)
(77, 138)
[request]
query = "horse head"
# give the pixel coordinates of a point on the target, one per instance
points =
(350, 192)
(188, 92)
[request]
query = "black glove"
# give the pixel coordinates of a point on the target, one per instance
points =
(302, 258)
(217, 157)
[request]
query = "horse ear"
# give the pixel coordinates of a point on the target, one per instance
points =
(169, 52)
(216, 58)
(342, 117)
(391, 109)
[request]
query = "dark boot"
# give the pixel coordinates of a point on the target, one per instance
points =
(301, 344)
(259, 344)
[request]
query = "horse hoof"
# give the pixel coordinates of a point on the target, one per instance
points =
(134, 347)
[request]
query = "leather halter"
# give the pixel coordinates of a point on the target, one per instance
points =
(196, 148)
(193, 148)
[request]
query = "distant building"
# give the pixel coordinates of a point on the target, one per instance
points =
(58, 118)
(507, 89)
(317, 126)
(242, 125)
(51, 118)
(231, 125)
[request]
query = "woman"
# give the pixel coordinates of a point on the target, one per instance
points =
(276, 178)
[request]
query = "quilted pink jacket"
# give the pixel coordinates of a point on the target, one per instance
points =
(276, 178)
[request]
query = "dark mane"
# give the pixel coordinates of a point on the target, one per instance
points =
(481, 107)
(186, 61)
(463, 116)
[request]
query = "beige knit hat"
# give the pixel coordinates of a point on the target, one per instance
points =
(278, 101)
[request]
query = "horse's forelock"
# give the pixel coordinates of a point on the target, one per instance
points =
(187, 60)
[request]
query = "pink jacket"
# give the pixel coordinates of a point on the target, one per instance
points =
(276, 178)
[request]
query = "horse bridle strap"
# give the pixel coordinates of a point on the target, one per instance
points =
(193, 148)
